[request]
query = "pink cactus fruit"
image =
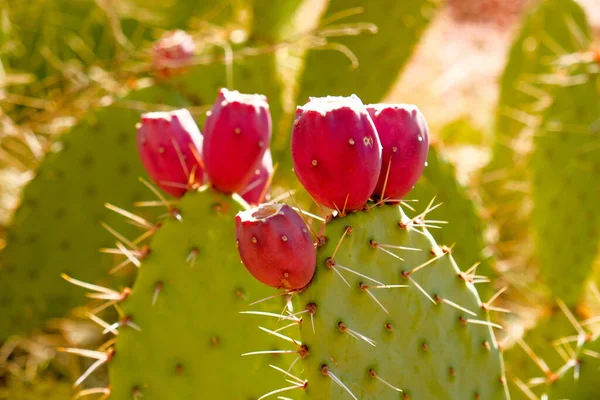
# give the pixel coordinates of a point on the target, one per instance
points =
(256, 191)
(276, 246)
(237, 133)
(404, 135)
(170, 146)
(336, 152)
(172, 53)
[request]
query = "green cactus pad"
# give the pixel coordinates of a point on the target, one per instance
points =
(271, 17)
(464, 228)
(56, 228)
(566, 193)
(192, 338)
(552, 27)
(427, 348)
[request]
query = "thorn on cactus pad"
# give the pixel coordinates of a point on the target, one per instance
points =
(158, 287)
(327, 372)
(344, 329)
(453, 304)
(372, 374)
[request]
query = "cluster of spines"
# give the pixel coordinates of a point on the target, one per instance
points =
(572, 349)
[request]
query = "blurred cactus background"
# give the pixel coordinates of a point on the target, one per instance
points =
(510, 90)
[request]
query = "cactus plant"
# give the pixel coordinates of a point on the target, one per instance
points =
(189, 293)
(55, 229)
(391, 314)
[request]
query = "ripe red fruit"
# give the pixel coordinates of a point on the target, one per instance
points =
(172, 53)
(275, 246)
(236, 135)
(336, 151)
(256, 190)
(404, 136)
(169, 145)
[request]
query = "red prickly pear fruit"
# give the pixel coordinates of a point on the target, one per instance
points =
(256, 190)
(172, 53)
(276, 246)
(336, 151)
(237, 133)
(170, 146)
(404, 136)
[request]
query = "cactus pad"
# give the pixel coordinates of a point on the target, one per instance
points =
(56, 228)
(186, 301)
(552, 27)
(566, 166)
(434, 342)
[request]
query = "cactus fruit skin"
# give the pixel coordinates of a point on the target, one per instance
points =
(256, 190)
(276, 246)
(56, 227)
(187, 301)
(404, 136)
(336, 151)
(237, 133)
(426, 347)
(172, 53)
(170, 147)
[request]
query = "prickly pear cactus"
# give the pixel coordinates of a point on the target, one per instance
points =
(552, 27)
(187, 335)
(566, 166)
(57, 229)
(464, 228)
(389, 314)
